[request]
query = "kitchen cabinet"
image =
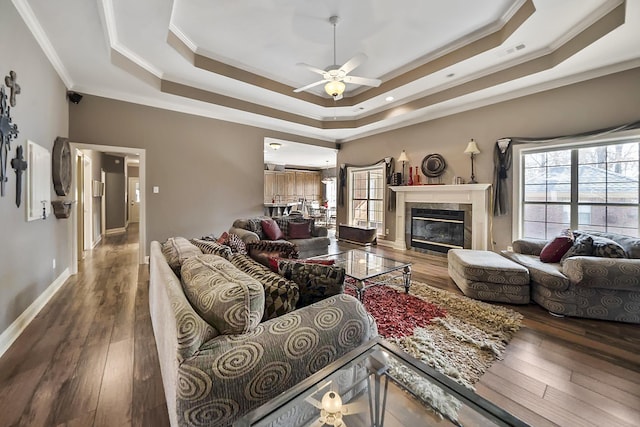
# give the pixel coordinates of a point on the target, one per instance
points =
(291, 185)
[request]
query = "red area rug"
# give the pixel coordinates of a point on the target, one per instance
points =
(397, 314)
(458, 336)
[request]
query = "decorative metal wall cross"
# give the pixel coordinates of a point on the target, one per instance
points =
(19, 165)
(10, 81)
(8, 131)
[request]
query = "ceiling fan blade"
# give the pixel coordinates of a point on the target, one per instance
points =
(351, 64)
(362, 81)
(311, 68)
(309, 86)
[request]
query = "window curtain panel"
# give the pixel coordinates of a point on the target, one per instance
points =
(388, 170)
(502, 159)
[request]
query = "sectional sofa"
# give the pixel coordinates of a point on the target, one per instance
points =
(598, 287)
(221, 354)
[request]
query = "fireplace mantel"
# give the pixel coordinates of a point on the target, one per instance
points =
(476, 195)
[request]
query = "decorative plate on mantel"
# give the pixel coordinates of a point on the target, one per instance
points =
(433, 165)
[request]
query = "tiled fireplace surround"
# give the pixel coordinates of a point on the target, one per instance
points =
(475, 195)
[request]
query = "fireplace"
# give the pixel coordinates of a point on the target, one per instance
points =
(437, 229)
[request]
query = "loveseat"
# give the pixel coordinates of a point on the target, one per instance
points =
(588, 286)
(222, 359)
(316, 243)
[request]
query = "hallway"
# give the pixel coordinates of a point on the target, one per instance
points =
(89, 358)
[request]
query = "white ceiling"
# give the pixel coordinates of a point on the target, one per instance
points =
(159, 53)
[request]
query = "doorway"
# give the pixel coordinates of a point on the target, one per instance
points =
(77, 220)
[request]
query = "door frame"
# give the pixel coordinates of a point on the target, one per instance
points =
(73, 229)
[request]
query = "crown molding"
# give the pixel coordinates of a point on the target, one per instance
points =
(30, 20)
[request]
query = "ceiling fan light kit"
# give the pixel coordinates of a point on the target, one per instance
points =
(335, 77)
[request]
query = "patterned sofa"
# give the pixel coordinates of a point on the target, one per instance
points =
(250, 230)
(585, 286)
(221, 354)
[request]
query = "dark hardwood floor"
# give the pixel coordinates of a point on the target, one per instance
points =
(89, 357)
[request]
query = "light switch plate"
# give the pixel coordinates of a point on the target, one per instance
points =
(156, 189)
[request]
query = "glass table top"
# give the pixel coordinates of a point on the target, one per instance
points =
(378, 384)
(363, 265)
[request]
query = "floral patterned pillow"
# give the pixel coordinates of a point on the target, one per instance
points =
(316, 281)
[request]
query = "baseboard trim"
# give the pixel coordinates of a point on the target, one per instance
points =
(98, 240)
(115, 231)
(19, 325)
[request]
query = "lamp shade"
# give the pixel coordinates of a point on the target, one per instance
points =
(334, 88)
(472, 148)
(403, 157)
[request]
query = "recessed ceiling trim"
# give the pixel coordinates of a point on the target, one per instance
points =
(470, 49)
(115, 44)
(30, 20)
(603, 26)
(179, 89)
(484, 44)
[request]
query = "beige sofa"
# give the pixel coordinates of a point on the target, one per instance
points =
(216, 370)
(585, 286)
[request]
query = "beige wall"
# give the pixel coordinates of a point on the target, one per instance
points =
(594, 104)
(208, 171)
(28, 248)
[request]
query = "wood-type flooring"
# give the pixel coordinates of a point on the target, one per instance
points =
(89, 357)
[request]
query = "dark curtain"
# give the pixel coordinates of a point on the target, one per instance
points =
(503, 161)
(388, 170)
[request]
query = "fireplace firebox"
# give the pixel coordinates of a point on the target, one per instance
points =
(437, 229)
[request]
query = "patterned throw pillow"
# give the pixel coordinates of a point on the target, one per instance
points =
(264, 249)
(316, 282)
(299, 229)
(271, 229)
(225, 297)
(280, 295)
(215, 248)
(176, 250)
(582, 246)
(607, 248)
(255, 225)
(235, 243)
(273, 262)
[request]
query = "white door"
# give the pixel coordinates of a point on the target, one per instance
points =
(134, 199)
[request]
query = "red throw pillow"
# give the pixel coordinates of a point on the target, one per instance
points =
(271, 230)
(273, 262)
(553, 251)
(299, 230)
(223, 239)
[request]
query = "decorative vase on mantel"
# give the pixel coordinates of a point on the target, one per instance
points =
(410, 181)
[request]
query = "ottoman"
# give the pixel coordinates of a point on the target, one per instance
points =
(488, 276)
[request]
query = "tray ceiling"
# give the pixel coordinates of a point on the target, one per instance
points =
(237, 60)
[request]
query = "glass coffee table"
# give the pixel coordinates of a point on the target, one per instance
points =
(378, 385)
(363, 267)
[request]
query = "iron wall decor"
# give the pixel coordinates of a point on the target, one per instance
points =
(19, 165)
(8, 131)
(61, 166)
(433, 165)
(11, 83)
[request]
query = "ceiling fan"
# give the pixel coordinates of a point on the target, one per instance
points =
(335, 76)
